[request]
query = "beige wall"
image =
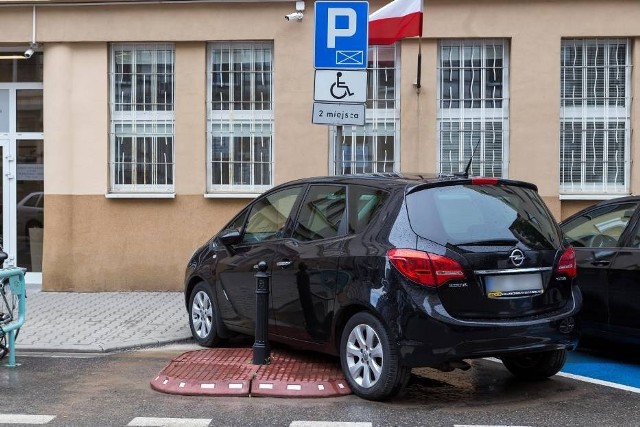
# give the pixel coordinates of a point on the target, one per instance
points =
(96, 243)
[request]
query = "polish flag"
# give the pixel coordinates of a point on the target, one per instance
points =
(397, 20)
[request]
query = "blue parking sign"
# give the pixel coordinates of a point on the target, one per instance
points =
(341, 34)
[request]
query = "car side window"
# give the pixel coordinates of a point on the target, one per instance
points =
(600, 227)
(364, 203)
(268, 216)
(321, 213)
(237, 222)
(32, 201)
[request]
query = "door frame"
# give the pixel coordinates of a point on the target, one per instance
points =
(9, 177)
(9, 234)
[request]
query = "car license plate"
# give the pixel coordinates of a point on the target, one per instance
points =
(513, 285)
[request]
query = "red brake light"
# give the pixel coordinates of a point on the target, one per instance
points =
(484, 181)
(567, 264)
(425, 268)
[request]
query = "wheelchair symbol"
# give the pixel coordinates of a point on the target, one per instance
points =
(339, 84)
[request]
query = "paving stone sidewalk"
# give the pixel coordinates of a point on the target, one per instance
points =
(102, 321)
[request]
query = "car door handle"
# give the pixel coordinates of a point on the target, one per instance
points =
(283, 264)
(600, 263)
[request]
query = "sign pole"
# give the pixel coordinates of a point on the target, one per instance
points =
(339, 155)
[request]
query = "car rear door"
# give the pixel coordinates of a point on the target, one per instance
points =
(596, 235)
(304, 273)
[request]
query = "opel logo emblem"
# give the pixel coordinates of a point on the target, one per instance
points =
(516, 257)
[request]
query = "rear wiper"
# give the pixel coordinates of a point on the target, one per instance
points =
(489, 242)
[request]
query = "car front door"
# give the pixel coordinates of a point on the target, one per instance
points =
(266, 224)
(596, 236)
(305, 267)
(624, 284)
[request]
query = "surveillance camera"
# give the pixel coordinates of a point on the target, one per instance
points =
(28, 53)
(295, 16)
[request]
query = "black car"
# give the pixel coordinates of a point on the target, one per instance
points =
(606, 238)
(395, 271)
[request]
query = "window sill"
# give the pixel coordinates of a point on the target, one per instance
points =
(140, 195)
(592, 196)
(231, 195)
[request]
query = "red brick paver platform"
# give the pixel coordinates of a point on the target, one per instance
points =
(230, 372)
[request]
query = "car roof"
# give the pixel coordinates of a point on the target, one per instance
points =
(408, 181)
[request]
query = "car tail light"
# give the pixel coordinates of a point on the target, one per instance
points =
(484, 181)
(425, 268)
(567, 264)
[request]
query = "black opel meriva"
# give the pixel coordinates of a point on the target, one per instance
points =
(395, 271)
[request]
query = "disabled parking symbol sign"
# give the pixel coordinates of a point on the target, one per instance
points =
(341, 35)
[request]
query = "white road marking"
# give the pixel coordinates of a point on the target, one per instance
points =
(475, 425)
(599, 382)
(25, 419)
(169, 422)
(328, 424)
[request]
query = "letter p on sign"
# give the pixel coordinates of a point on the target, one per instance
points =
(333, 31)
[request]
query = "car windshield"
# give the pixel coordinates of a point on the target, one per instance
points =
(482, 215)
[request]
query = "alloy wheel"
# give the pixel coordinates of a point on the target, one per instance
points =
(364, 356)
(202, 314)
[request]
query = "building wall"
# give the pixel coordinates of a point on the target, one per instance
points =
(96, 243)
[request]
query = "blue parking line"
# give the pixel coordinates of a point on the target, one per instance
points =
(603, 369)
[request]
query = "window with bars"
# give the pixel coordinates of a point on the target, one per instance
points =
(594, 116)
(373, 147)
(240, 117)
(142, 118)
(473, 106)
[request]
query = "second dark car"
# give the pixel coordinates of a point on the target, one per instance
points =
(606, 238)
(393, 272)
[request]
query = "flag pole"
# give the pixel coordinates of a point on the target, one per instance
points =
(419, 71)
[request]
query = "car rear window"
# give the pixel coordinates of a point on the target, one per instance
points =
(482, 215)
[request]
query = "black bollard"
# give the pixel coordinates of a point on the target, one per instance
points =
(261, 349)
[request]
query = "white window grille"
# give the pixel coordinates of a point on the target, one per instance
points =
(373, 147)
(473, 106)
(240, 117)
(595, 77)
(142, 118)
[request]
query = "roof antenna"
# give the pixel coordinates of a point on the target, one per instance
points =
(465, 174)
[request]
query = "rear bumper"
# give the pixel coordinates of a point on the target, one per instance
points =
(432, 337)
(469, 343)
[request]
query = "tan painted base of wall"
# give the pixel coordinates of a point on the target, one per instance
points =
(93, 244)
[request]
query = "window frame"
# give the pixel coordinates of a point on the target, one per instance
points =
(481, 115)
(253, 122)
(149, 121)
(585, 115)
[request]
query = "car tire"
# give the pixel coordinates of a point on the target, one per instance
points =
(370, 359)
(536, 366)
(202, 316)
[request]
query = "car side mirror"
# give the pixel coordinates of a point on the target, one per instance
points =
(230, 237)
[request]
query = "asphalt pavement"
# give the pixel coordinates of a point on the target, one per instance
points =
(106, 322)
